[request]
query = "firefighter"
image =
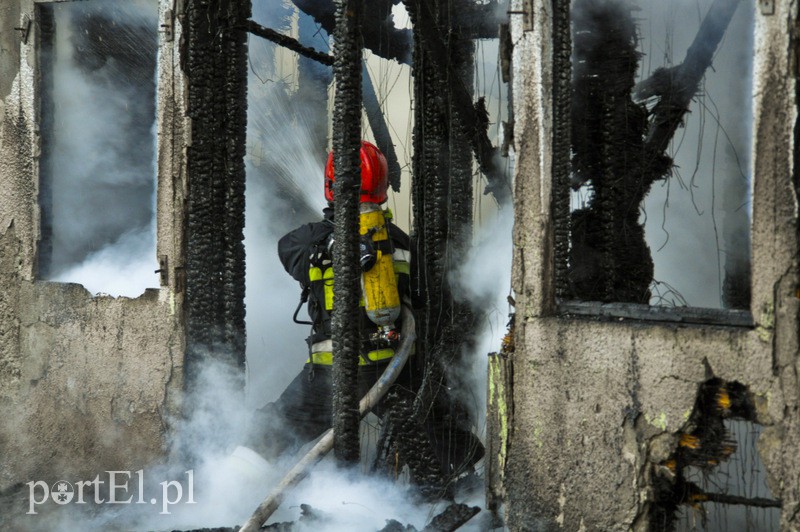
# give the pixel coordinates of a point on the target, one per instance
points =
(304, 409)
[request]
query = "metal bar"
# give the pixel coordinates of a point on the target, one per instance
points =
(377, 121)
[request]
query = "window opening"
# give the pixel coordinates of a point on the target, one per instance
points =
(660, 170)
(98, 165)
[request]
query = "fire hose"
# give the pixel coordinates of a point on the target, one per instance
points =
(325, 444)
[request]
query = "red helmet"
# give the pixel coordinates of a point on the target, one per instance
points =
(374, 175)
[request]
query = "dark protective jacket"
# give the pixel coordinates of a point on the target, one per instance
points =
(306, 248)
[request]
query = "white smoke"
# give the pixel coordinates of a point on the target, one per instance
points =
(124, 268)
(484, 281)
(101, 161)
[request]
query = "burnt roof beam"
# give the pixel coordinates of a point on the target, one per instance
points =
(478, 21)
(288, 42)
(379, 34)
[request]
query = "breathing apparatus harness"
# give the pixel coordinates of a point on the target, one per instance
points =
(380, 296)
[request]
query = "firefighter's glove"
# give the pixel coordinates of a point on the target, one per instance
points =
(367, 257)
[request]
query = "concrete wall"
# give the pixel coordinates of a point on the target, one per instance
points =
(596, 405)
(87, 384)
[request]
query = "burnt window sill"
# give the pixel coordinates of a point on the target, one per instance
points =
(686, 315)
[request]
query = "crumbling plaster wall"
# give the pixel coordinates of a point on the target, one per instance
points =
(595, 403)
(87, 384)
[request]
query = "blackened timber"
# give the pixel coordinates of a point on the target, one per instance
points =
(214, 57)
(441, 196)
(620, 151)
(288, 42)
(452, 518)
(235, 55)
(429, 138)
(488, 156)
(562, 93)
(724, 498)
(609, 259)
(347, 186)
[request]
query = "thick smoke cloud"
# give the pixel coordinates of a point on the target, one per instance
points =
(484, 281)
(99, 153)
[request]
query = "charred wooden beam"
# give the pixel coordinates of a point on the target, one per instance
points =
(214, 57)
(722, 498)
(347, 166)
(488, 156)
(288, 42)
(562, 123)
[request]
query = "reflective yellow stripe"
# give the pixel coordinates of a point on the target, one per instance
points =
(327, 278)
(401, 266)
(325, 358)
(315, 274)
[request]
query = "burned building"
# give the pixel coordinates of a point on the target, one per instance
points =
(615, 409)
(655, 332)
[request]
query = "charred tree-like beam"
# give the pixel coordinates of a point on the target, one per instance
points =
(441, 197)
(235, 54)
(347, 164)
(412, 446)
(617, 151)
(379, 33)
(469, 117)
(608, 257)
(683, 82)
(288, 42)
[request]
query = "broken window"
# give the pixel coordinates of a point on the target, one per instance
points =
(98, 138)
(659, 172)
